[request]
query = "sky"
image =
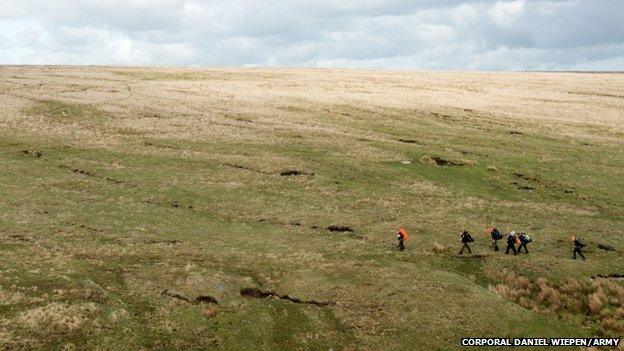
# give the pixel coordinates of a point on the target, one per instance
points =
(395, 34)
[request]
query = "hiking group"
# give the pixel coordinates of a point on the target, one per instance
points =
(521, 240)
(513, 239)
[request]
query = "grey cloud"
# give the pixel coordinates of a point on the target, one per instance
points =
(443, 34)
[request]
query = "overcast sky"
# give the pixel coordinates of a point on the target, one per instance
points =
(419, 34)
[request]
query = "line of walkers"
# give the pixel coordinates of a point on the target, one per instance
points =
(521, 240)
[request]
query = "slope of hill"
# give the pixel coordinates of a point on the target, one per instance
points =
(189, 208)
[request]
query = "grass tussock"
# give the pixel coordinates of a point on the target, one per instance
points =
(599, 300)
(58, 318)
(441, 249)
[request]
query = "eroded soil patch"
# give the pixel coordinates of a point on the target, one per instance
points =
(527, 177)
(440, 161)
(291, 173)
(33, 153)
(259, 294)
(339, 229)
(606, 247)
(200, 299)
(90, 174)
(245, 168)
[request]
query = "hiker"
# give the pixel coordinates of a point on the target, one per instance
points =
(496, 236)
(524, 239)
(511, 242)
(402, 237)
(579, 244)
(465, 239)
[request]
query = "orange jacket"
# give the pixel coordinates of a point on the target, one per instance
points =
(403, 233)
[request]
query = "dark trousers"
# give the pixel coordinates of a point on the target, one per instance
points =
(465, 246)
(495, 245)
(521, 246)
(578, 250)
(512, 247)
(401, 244)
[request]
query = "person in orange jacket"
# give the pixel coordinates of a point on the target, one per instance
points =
(402, 237)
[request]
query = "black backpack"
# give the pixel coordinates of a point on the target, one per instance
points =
(525, 238)
(579, 242)
(496, 234)
(467, 238)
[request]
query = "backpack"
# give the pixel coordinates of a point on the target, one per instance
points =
(525, 238)
(579, 242)
(467, 238)
(511, 239)
(496, 235)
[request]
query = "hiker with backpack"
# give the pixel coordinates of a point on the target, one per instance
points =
(496, 236)
(579, 244)
(465, 239)
(524, 239)
(511, 243)
(402, 237)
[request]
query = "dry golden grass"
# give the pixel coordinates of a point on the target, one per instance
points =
(601, 299)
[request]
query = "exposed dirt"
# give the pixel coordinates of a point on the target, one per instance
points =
(523, 187)
(174, 295)
(19, 237)
(606, 247)
(246, 168)
(160, 146)
(440, 161)
(290, 173)
(527, 177)
(259, 294)
(90, 174)
(33, 153)
(169, 242)
(444, 162)
(339, 229)
(277, 222)
(204, 299)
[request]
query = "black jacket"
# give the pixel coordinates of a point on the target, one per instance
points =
(466, 238)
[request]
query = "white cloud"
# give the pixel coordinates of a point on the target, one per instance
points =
(441, 34)
(505, 13)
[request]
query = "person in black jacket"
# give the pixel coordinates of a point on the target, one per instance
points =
(524, 240)
(579, 244)
(511, 243)
(466, 239)
(496, 236)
